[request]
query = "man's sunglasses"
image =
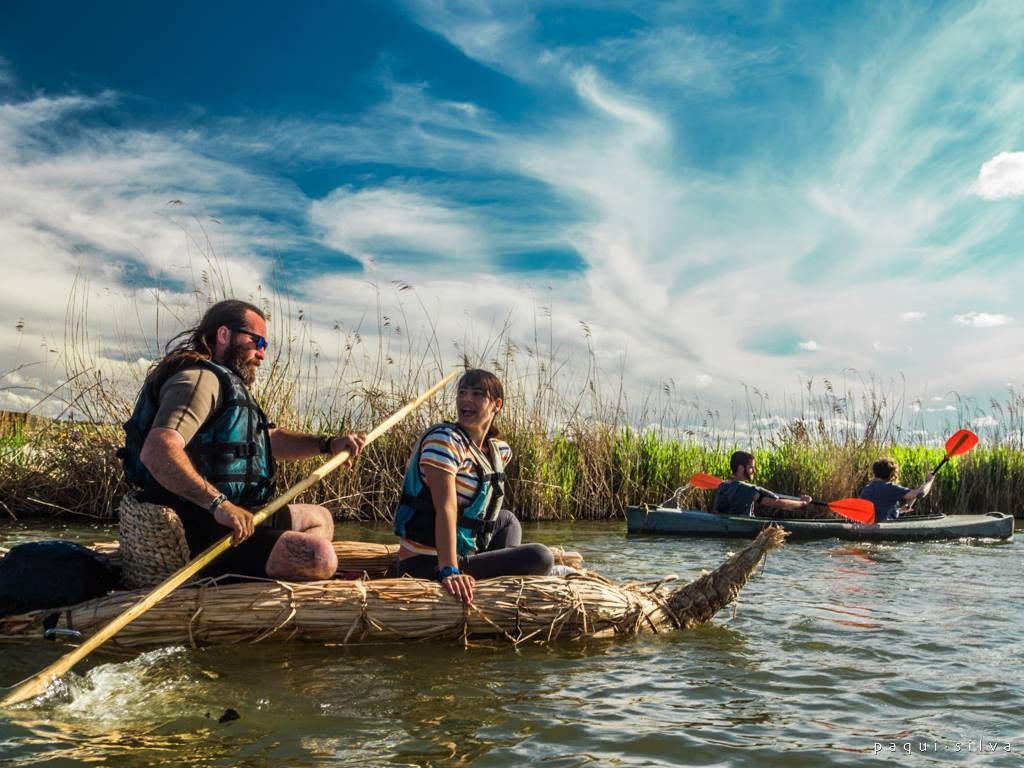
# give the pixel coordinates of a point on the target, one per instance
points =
(261, 343)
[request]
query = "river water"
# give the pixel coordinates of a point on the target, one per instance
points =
(837, 654)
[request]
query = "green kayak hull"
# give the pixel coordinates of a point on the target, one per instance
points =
(689, 522)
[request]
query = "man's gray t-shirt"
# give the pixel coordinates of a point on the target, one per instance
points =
(734, 497)
(885, 496)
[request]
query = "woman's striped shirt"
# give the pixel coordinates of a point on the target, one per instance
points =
(448, 450)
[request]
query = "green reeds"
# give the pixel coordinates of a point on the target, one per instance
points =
(578, 452)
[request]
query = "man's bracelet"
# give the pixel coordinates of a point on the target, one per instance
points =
(448, 570)
(216, 503)
(325, 444)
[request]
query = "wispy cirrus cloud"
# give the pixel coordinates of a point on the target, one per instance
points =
(981, 320)
(731, 202)
(377, 224)
(912, 316)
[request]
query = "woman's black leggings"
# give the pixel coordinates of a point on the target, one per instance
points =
(506, 555)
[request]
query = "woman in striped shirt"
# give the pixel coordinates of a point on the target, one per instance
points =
(450, 521)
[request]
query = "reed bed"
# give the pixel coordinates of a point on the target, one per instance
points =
(582, 447)
(512, 609)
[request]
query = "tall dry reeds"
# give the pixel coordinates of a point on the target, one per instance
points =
(582, 448)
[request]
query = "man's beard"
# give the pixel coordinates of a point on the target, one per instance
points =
(241, 364)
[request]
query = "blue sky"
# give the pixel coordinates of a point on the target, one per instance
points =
(724, 193)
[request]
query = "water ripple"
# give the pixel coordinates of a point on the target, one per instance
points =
(835, 654)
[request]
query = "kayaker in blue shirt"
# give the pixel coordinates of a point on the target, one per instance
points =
(887, 495)
(738, 496)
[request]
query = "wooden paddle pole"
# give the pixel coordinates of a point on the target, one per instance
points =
(39, 683)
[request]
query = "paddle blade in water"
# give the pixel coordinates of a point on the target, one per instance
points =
(961, 442)
(858, 510)
(705, 481)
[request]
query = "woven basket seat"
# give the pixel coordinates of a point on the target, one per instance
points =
(152, 542)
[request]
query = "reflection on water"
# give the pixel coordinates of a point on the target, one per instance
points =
(832, 650)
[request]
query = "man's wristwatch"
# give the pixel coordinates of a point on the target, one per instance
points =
(216, 503)
(325, 444)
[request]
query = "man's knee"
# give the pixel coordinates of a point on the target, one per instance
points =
(313, 518)
(301, 556)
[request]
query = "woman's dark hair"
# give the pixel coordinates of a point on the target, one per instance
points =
(740, 459)
(197, 343)
(489, 384)
(885, 468)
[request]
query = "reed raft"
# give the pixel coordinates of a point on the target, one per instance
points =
(512, 608)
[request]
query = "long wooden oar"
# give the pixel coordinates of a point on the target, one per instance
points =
(858, 510)
(960, 442)
(38, 684)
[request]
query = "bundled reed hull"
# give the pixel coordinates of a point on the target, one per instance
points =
(516, 609)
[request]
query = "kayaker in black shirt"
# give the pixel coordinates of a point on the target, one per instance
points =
(738, 496)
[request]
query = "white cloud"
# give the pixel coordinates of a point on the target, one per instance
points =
(911, 317)
(981, 320)
(702, 380)
(980, 422)
(375, 224)
(810, 346)
(1001, 177)
(494, 33)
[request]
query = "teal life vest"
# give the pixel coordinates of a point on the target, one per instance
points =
(415, 517)
(231, 450)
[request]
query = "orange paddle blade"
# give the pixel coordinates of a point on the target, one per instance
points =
(705, 481)
(961, 442)
(858, 510)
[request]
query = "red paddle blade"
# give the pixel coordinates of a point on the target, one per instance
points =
(961, 442)
(705, 481)
(858, 510)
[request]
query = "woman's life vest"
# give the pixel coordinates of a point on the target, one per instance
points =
(231, 450)
(415, 518)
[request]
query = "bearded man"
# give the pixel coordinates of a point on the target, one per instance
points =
(739, 496)
(199, 443)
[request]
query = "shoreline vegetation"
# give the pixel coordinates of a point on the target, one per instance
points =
(581, 449)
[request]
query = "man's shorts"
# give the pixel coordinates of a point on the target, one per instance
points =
(248, 558)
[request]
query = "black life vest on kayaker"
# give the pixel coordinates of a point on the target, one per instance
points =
(231, 450)
(415, 518)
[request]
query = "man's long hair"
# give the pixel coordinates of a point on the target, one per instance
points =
(195, 344)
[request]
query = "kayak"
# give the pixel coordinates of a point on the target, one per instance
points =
(691, 522)
(515, 609)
